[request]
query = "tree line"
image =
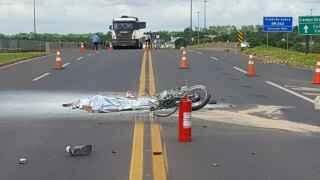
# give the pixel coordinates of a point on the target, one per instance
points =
(252, 33)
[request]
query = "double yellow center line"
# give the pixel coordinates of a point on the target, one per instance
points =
(147, 87)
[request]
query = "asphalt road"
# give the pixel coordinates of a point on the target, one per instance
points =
(33, 123)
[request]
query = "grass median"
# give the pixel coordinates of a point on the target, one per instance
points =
(294, 58)
(6, 58)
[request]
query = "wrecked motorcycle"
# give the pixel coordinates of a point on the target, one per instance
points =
(168, 101)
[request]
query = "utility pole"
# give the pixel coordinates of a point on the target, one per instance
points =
(198, 13)
(205, 15)
(191, 15)
(34, 17)
(311, 13)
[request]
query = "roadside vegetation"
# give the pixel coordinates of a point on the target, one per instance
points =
(279, 55)
(17, 56)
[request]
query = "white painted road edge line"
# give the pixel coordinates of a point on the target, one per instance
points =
(41, 76)
(214, 58)
(239, 69)
(65, 65)
(289, 91)
(79, 58)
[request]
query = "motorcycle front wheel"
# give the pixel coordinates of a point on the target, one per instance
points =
(199, 96)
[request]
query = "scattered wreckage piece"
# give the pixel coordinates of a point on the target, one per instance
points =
(79, 150)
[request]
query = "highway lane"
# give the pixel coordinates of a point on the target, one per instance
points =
(233, 152)
(19, 76)
(117, 71)
(35, 125)
(228, 85)
(102, 71)
(43, 143)
(282, 74)
(220, 151)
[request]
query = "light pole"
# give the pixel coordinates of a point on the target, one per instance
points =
(311, 13)
(190, 15)
(198, 13)
(34, 17)
(205, 15)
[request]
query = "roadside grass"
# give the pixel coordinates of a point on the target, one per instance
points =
(18, 56)
(293, 58)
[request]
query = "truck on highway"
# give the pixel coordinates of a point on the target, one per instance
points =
(126, 32)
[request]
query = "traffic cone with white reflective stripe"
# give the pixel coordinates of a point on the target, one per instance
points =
(316, 77)
(82, 47)
(59, 63)
(184, 63)
(251, 68)
(110, 47)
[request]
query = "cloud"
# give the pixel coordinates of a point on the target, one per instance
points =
(74, 16)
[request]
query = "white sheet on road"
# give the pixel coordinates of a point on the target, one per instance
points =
(105, 104)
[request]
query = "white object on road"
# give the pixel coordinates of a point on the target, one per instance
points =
(79, 150)
(105, 104)
(23, 160)
(317, 103)
(79, 58)
(66, 64)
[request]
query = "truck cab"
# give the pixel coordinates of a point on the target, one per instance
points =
(126, 32)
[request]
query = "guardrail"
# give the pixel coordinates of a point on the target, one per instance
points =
(14, 45)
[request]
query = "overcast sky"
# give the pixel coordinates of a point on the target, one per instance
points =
(78, 16)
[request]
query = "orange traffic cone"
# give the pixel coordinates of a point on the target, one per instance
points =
(82, 47)
(110, 47)
(316, 77)
(184, 64)
(59, 64)
(251, 68)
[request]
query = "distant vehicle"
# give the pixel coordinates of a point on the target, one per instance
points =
(244, 45)
(126, 32)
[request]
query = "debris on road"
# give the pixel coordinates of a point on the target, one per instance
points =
(114, 152)
(23, 160)
(79, 150)
(215, 165)
(112, 103)
(253, 153)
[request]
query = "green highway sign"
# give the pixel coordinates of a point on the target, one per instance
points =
(309, 25)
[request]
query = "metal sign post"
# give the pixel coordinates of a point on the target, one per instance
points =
(267, 39)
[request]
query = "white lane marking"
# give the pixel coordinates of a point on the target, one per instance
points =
(289, 91)
(25, 61)
(310, 94)
(239, 69)
(66, 64)
(89, 54)
(79, 58)
(214, 58)
(41, 76)
(199, 53)
(306, 89)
